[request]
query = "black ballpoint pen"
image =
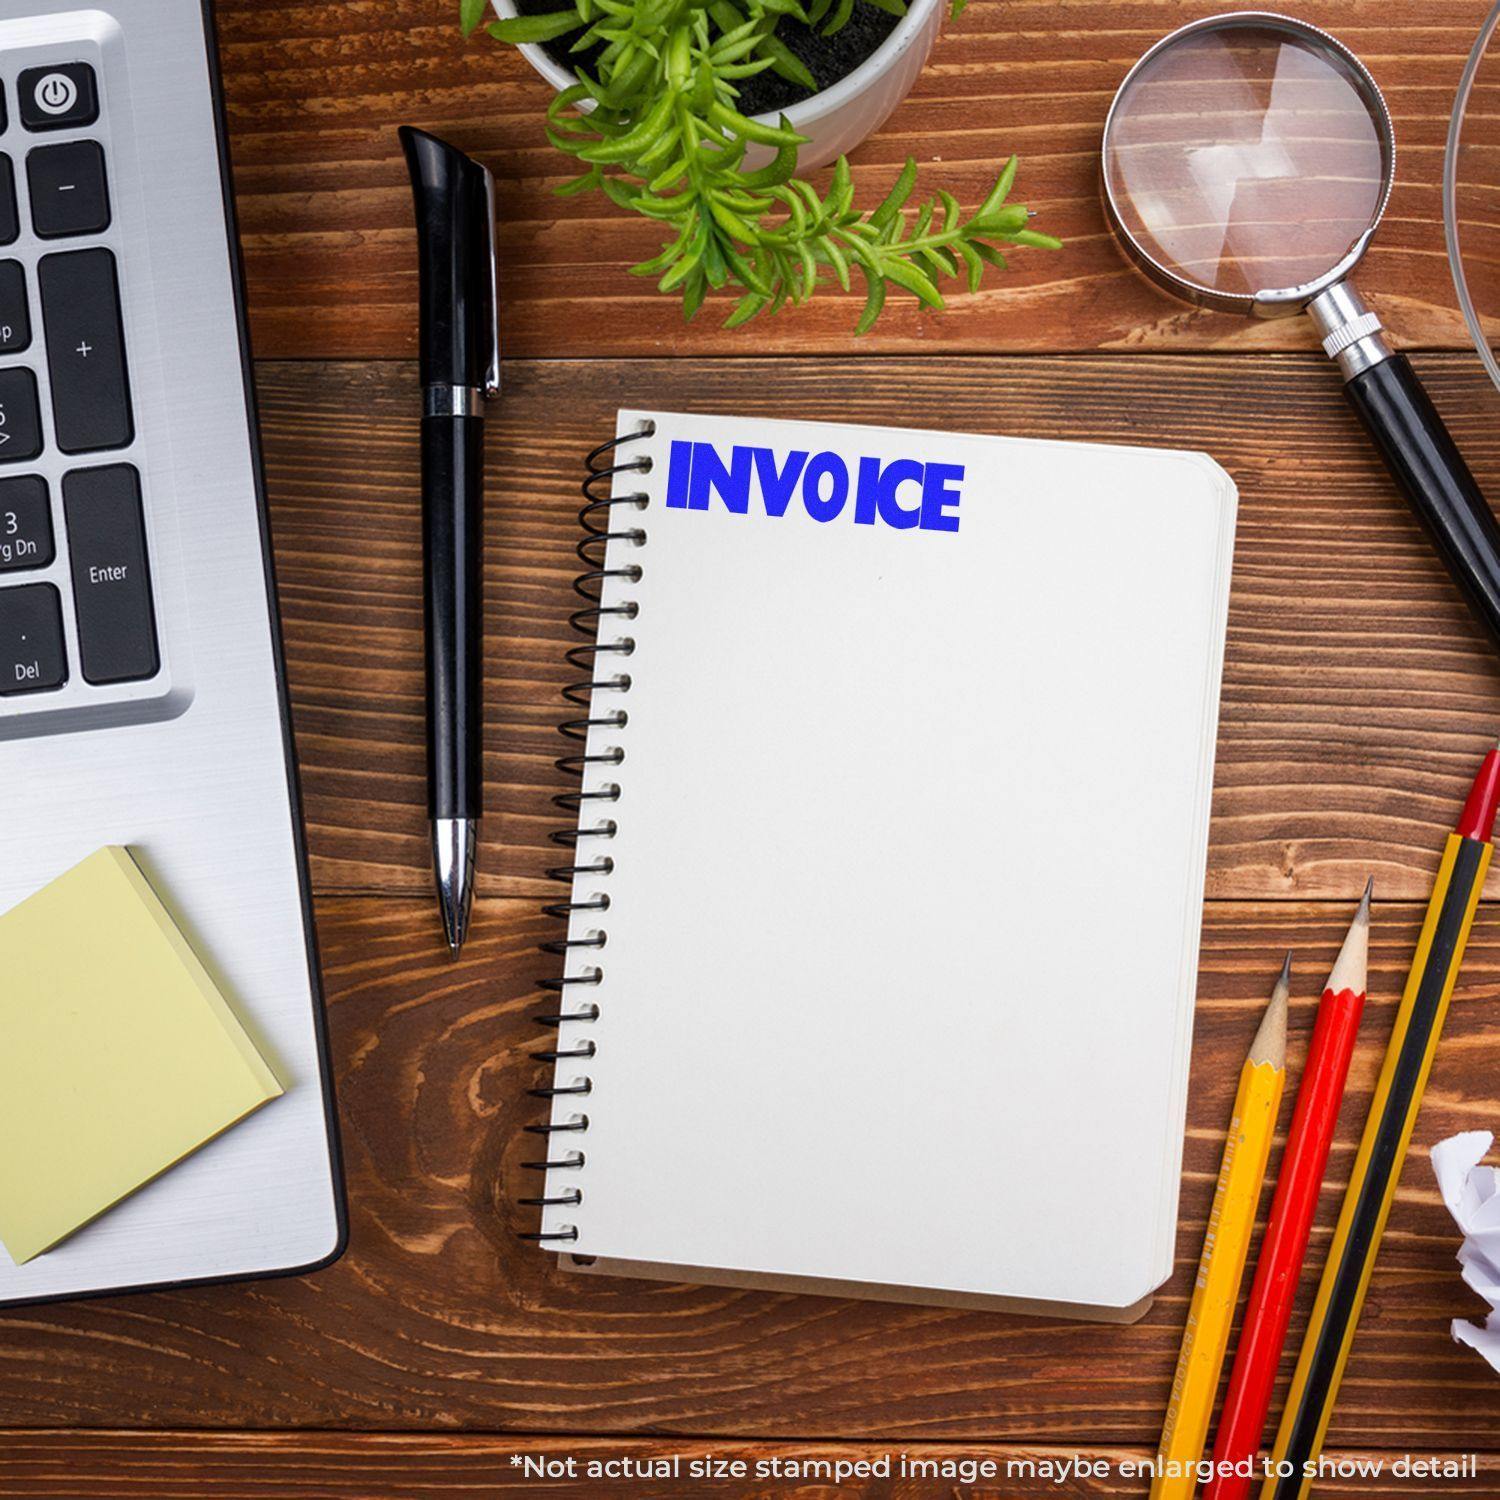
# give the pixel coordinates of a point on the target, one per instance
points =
(460, 360)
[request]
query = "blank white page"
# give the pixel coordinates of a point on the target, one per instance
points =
(908, 868)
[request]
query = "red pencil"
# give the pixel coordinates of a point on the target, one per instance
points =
(1292, 1208)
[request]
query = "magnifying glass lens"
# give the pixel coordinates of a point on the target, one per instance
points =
(1246, 159)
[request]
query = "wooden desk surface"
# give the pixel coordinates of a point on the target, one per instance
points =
(1357, 699)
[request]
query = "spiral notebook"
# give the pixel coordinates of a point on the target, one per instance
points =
(889, 865)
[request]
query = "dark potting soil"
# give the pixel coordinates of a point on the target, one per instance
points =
(827, 58)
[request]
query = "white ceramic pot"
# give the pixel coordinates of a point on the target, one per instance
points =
(838, 119)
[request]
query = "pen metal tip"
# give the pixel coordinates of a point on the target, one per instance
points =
(455, 920)
(454, 844)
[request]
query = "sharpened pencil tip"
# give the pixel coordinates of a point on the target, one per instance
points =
(1269, 1045)
(1351, 967)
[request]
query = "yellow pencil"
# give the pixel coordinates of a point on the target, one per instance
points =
(1225, 1248)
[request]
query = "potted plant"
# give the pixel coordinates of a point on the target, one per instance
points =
(696, 113)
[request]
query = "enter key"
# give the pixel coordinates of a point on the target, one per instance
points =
(111, 574)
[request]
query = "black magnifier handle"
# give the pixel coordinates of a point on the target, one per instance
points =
(1417, 448)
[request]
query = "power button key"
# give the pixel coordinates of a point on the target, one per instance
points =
(59, 96)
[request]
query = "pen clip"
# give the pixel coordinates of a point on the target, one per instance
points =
(492, 374)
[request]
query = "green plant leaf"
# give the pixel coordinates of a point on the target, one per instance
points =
(572, 145)
(735, 44)
(752, 130)
(714, 267)
(906, 275)
(746, 205)
(679, 58)
(665, 144)
(639, 138)
(618, 191)
(1037, 241)
(1011, 219)
(470, 14)
(541, 28)
(787, 64)
(941, 260)
(797, 214)
(809, 270)
(746, 270)
(745, 70)
(1001, 190)
(732, 224)
(745, 309)
(679, 273)
(895, 200)
(577, 185)
(669, 176)
(810, 197)
(840, 190)
(840, 264)
(776, 171)
(840, 18)
(873, 304)
(668, 255)
(970, 257)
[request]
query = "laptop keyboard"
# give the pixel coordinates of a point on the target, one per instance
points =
(76, 599)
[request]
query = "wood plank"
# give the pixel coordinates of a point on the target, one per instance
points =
(398, 1466)
(1358, 695)
(439, 1317)
(315, 93)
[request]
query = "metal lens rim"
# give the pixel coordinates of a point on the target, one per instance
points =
(1270, 302)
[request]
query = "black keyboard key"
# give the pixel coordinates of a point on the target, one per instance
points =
(32, 655)
(69, 194)
(25, 524)
(20, 417)
(10, 215)
(58, 96)
(15, 311)
(86, 351)
(111, 576)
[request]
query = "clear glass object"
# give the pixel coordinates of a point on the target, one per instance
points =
(1247, 156)
(1471, 194)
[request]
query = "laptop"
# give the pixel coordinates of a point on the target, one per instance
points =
(142, 690)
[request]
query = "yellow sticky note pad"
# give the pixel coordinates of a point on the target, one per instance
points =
(118, 1054)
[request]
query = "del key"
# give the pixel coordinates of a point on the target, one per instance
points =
(86, 351)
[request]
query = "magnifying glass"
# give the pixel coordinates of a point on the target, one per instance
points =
(1247, 161)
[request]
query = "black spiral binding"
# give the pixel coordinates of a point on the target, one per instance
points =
(596, 518)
